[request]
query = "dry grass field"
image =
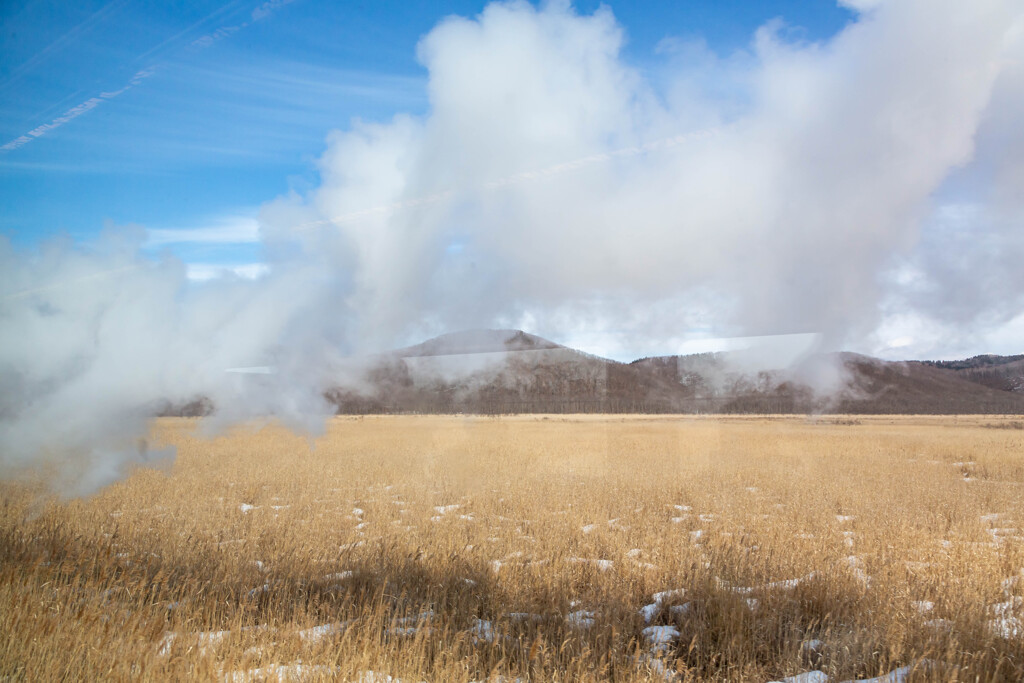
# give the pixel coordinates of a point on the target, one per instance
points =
(542, 548)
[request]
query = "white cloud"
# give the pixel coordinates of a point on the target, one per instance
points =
(824, 162)
(225, 230)
(201, 272)
(861, 5)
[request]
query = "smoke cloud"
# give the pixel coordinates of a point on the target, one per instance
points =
(849, 189)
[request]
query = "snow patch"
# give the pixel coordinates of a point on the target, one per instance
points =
(580, 619)
(660, 635)
(923, 606)
(317, 633)
(483, 631)
(808, 677)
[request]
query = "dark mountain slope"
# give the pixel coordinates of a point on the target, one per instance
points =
(510, 371)
(1004, 373)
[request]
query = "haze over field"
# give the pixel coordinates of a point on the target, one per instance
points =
(860, 191)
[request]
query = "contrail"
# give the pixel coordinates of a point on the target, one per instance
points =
(67, 283)
(261, 11)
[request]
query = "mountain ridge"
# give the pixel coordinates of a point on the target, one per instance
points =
(511, 371)
(492, 371)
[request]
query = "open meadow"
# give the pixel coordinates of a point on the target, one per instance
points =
(560, 548)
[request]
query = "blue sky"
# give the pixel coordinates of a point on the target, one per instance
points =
(235, 99)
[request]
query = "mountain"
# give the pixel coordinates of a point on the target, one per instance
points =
(511, 371)
(1005, 373)
(478, 341)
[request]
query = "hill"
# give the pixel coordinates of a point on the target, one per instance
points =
(511, 371)
(1005, 373)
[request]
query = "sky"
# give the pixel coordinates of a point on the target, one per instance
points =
(229, 104)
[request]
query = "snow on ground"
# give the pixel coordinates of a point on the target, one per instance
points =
(648, 612)
(658, 667)
(484, 631)
(669, 594)
(788, 584)
(317, 633)
(375, 677)
(406, 631)
(603, 565)
(1001, 609)
(940, 624)
(280, 672)
(1006, 627)
(808, 677)
(660, 635)
(525, 616)
(580, 619)
(418, 619)
(265, 588)
(203, 640)
(900, 675)
(856, 565)
(680, 610)
(923, 606)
